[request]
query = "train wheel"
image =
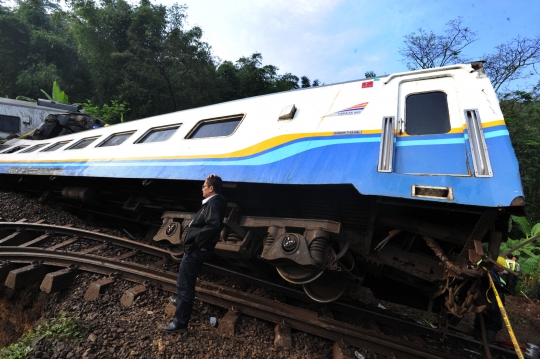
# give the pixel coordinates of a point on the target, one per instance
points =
(297, 274)
(327, 288)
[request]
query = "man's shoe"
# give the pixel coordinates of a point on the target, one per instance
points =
(173, 300)
(171, 328)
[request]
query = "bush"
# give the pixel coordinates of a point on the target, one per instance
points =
(56, 328)
(529, 256)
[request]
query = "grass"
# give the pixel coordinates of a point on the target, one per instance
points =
(56, 328)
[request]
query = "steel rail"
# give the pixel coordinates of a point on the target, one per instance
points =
(90, 263)
(140, 274)
(96, 236)
(300, 319)
(364, 313)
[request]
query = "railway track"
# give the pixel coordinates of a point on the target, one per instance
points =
(33, 252)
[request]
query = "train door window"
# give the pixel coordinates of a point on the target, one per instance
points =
(427, 114)
(116, 139)
(35, 148)
(14, 149)
(55, 146)
(82, 143)
(218, 127)
(10, 124)
(158, 134)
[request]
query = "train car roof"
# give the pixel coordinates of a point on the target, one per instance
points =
(27, 104)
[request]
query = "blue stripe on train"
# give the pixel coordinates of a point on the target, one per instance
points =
(350, 160)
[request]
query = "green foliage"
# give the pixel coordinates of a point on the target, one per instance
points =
(529, 255)
(57, 94)
(56, 328)
(370, 74)
(304, 82)
(110, 114)
(24, 98)
(135, 53)
(522, 116)
(249, 77)
(37, 48)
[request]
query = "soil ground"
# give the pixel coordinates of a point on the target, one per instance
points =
(115, 331)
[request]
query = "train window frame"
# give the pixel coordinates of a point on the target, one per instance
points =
(10, 118)
(55, 146)
(74, 146)
(151, 131)
(198, 125)
(14, 149)
(110, 137)
(419, 118)
(35, 147)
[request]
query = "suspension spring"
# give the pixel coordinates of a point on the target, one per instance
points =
(317, 249)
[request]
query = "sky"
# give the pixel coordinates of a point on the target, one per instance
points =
(339, 40)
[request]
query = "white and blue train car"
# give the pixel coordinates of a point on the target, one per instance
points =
(393, 177)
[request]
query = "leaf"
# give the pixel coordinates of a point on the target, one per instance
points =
(523, 224)
(24, 98)
(535, 230)
(59, 95)
(47, 95)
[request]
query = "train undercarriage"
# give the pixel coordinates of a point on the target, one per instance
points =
(328, 239)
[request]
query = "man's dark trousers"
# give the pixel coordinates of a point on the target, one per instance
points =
(185, 285)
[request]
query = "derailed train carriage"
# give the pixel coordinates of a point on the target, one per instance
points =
(22, 117)
(394, 183)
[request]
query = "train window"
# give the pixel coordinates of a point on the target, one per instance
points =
(216, 127)
(116, 139)
(10, 124)
(427, 113)
(55, 146)
(82, 143)
(158, 134)
(3, 147)
(14, 149)
(34, 148)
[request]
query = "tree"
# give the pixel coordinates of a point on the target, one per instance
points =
(255, 79)
(142, 55)
(316, 82)
(427, 50)
(511, 59)
(304, 81)
(114, 52)
(227, 81)
(508, 62)
(529, 255)
(36, 48)
(370, 74)
(522, 116)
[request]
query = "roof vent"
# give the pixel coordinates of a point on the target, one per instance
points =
(287, 113)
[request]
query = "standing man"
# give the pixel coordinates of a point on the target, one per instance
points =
(202, 237)
(515, 259)
(512, 279)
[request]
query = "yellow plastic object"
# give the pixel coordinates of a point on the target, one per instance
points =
(501, 261)
(505, 317)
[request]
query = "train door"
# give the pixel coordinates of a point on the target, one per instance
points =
(429, 130)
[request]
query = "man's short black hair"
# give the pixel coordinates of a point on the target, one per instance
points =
(509, 256)
(216, 182)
